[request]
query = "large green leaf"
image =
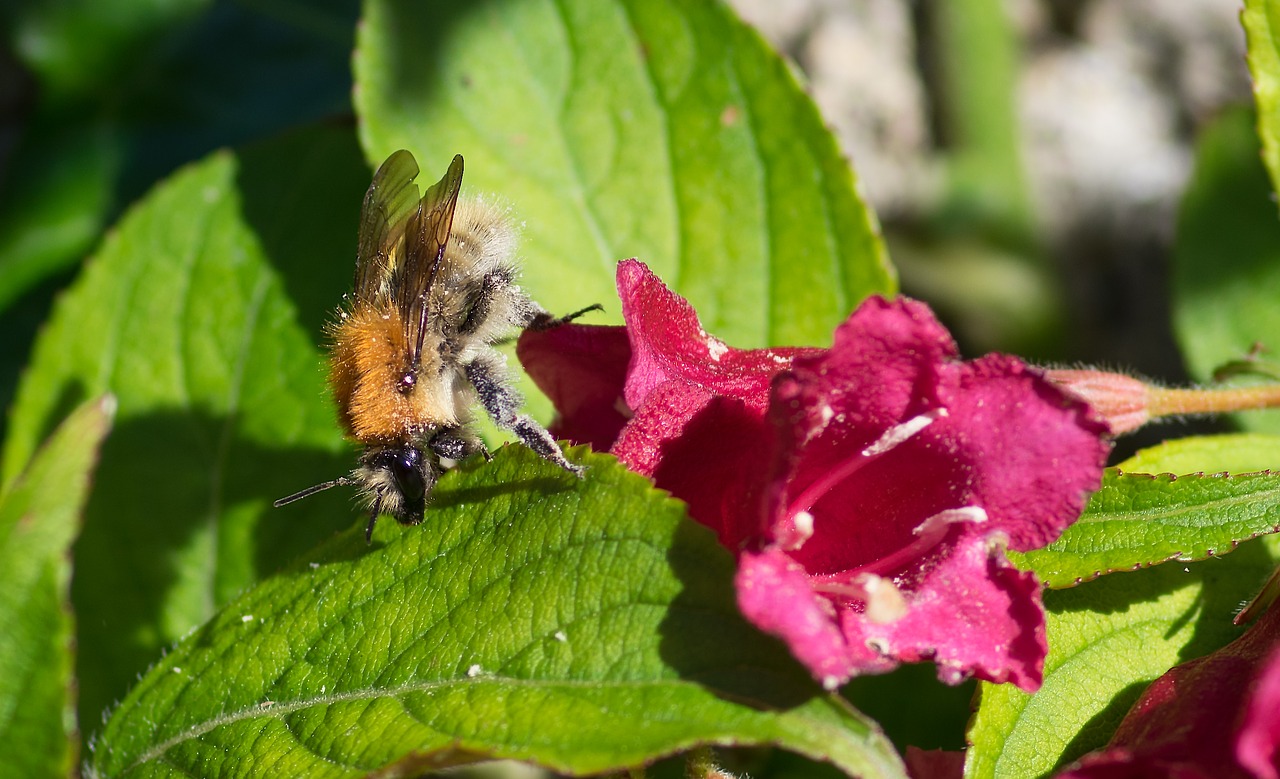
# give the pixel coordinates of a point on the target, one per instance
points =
(1108, 639)
(1226, 453)
(1262, 32)
(1227, 259)
(1137, 520)
(39, 518)
(189, 316)
(666, 131)
(582, 625)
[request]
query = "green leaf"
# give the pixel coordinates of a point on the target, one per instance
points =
(1227, 257)
(1261, 20)
(187, 315)
(39, 518)
(666, 131)
(585, 626)
(1228, 453)
(1137, 520)
(1108, 640)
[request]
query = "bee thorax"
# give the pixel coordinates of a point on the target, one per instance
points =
(380, 398)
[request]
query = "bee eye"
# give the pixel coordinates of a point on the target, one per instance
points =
(407, 471)
(406, 383)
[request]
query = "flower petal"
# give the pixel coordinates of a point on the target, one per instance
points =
(971, 612)
(710, 451)
(934, 763)
(900, 463)
(1033, 452)
(582, 369)
(775, 594)
(1258, 743)
(1004, 438)
(668, 342)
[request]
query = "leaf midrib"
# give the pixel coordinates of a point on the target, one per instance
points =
(1165, 512)
(278, 710)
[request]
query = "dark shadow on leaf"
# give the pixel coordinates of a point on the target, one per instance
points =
(180, 497)
(416, 70)
(70, 395)
(706, 640)
(1229, 581)
(447, 497)
(914, 707)
(1116, 592)
(229, 74)
(304, 208)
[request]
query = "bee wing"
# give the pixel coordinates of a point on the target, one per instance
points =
(388, 205)
(425, 237)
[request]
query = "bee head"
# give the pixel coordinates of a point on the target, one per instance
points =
(393, 480)
(396, 480)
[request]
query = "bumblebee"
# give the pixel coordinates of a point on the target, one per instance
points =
(411, 352)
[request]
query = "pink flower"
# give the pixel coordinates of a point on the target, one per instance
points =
(670, 401)
(869, 488)
(1215, 717)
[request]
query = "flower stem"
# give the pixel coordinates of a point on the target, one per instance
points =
(1170, 402)
(1127, 403)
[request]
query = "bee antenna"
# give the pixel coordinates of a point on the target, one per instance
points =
(341, 481)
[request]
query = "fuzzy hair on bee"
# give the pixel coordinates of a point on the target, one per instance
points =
(411, 352)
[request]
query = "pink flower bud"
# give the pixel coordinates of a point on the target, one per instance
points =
(1122, 401)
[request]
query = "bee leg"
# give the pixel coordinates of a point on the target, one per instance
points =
(480, 299)
(373, 520)
(544, 321)
(454, 444)
(501, 403)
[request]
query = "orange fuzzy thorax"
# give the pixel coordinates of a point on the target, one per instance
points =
(367, 361)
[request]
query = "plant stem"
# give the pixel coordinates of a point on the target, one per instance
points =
(1170, 402)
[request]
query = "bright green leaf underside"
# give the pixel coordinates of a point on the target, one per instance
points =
(1137, 520)
(666, 131)
(1261, 20)
(582, 625)
(1229, 453)
(39, 518)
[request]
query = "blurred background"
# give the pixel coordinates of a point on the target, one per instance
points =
(1026, 157)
